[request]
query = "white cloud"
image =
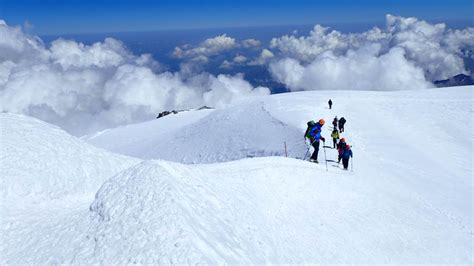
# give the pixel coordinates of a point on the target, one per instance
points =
(357, 70)
(70, 54)
(209, 47)
(84, 88)
(307, 48)
(194, 55)
(412, 44)
(239, 59)
(226, 64)
(225, 89)
(264, 57)
(251, 43)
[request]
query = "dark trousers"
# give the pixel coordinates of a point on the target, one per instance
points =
(330, 106)
(345, 162)
(341, 128)
(334, 142)
(314, 156)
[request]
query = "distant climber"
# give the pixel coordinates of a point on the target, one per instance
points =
(346, 155)
(314, 136)
(342, 122)
(341, 146)
(335, 137)
(330, 103)
(334, 122)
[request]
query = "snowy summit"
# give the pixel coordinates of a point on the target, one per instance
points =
(215, 186)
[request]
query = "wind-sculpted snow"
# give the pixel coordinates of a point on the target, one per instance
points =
(39, 160)
(259, 210)
(247, 130)
(407, 200)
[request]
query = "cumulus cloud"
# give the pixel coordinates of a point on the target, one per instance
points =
(357, 70)
(224, 88)
(417, 46)
(84, 88)
(226, 65)
(264, 57)
(251, 43)
(209, 47)
(239, 59)
(236, 61)
(202, 53)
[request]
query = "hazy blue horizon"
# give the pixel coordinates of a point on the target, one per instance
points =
(53, 17)
(340, 26)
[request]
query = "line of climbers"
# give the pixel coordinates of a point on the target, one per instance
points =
(313, 133)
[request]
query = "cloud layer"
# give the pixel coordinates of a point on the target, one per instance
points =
(408, 54)
(194, 57)
(87, 88)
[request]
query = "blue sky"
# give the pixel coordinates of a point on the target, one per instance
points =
(82, 16)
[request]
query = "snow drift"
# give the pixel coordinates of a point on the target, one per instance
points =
(407, 201)
(260, 210)
(41, 160)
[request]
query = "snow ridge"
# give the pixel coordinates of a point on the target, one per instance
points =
(40, 160)
(407, 201)
(247, 130)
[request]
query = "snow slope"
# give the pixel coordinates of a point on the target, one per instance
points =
(262, 210)
(39, 160)
(151, 133)
(409, 199)
(206, 136)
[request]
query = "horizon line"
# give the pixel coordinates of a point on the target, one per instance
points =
(469, 23)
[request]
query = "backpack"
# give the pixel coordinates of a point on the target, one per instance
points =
(310, 124)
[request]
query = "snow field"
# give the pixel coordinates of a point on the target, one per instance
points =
(206, 136)
(40, 161)
(409, 199)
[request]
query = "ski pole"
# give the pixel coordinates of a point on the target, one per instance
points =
(352, 160)
(309, 147)
(325, 159)
(307, 151)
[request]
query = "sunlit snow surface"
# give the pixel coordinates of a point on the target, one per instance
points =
(408, 200)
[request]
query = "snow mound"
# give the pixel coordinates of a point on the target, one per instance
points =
(246, 130)
(147, 207)
(135, 139)
(251, 211)
(408, 200)
(41, 160)
(219, 213)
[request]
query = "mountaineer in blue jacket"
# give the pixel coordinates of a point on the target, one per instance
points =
(314, 136)
(346, 154)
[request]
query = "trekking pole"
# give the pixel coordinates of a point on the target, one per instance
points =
(352, 164)
(352, 160)
(307, 151)
(325, 159)
(309, 147)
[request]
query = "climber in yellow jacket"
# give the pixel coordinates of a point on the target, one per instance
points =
(335, 137)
